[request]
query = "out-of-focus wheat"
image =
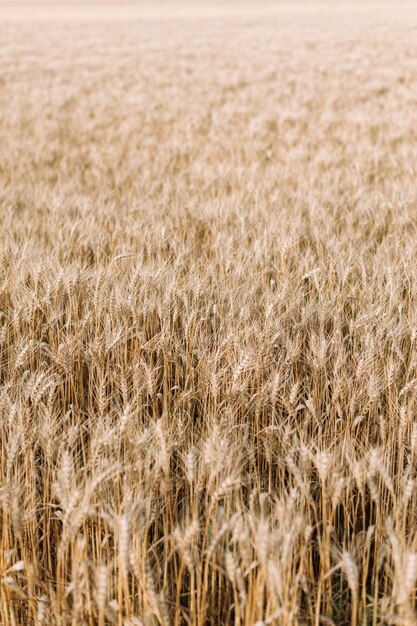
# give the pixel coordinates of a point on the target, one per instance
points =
(208, 320)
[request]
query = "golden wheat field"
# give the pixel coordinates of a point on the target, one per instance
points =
(208, 313)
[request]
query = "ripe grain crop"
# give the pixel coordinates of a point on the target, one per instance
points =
(208, 333)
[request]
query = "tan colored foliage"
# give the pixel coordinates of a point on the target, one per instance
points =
(208, 314)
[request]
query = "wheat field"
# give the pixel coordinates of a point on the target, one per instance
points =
(208, 313)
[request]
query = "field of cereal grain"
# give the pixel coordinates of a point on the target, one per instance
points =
(208, 313)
